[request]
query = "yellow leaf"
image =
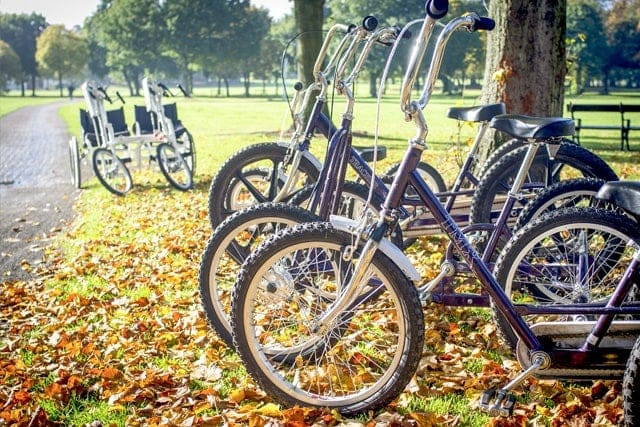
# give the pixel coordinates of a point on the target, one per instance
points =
(270, 410)
(236, 396)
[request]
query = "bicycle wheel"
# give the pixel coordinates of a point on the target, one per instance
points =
(230, 244)
(578, 192)
(430, 175)
(498, 153)
(111, 172)
(174, 167)
(631, 388)
(231, 178)
(74, 162)
(188, 150)
(238, 235)
(574, 255)
(571, 161)
(359, 362)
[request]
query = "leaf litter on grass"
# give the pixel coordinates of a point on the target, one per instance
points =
(112, 330)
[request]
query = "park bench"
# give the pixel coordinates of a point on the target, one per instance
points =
(624, 127)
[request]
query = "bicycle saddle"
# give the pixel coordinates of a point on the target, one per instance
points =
(526, 127)
(625, 194)
(481, 113)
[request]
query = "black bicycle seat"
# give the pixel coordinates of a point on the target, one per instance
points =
(526, 127)
(625, 194)
(481, 113)
(367, 153)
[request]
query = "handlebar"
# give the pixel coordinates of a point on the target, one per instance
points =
(184, 92)
(104, 93)
(120, 97)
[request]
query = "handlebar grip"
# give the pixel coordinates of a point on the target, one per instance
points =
(298, 86)
(104, 92)
(369, 23)
(436, 9)
(120, 97)
(163, 86)
(484, 23)
(184, 92)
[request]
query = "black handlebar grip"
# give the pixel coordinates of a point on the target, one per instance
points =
(120, 97)
(104, 92)
(436, 9)
(369, 23)
(351, 27)
(484, 23)
(184, 92)
(163, 86)
(298, 86)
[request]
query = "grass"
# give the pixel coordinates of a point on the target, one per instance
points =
(221, 126)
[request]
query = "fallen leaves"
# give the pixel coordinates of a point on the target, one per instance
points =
(116, 320)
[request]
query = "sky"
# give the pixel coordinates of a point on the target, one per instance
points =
(73, 12)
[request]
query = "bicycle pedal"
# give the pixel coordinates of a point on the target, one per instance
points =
(497, 402)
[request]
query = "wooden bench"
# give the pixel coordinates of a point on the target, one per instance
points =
(624, 127)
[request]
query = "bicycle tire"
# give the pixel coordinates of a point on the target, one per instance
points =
(74, 163)
(174, 167)
(631, 388)
(111, 171)
(253, 154)
(608, 233)
(497, 180)
(563, 194)
(498, 153)
(430, 175)
(401, 335)
(188, 150)
(224, 249)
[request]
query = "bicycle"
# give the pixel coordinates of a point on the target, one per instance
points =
(324, 314)
(235, 237)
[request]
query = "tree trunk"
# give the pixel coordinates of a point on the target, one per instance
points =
(226, 85)
(128, 80)
(525, 62)
(33, 85)
(60, 84)
(219, 86)
(308, 16)
(373, 86)
(247, 83)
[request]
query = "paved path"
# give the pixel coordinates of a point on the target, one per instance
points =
(36, 194)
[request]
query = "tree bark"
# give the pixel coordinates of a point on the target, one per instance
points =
(525, 62)
(22, 87)
(309, 17)
(60, 84)
(33, 85)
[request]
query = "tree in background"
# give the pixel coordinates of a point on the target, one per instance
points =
(132, 31)
(194, 29)
(622, 27)
(97, 52)
(10, 68)
(525, 65)
(21, 32)
(60, 52)
(250, 27)
(586, 43)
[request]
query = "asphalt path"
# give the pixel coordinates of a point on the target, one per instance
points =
(36, 194)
